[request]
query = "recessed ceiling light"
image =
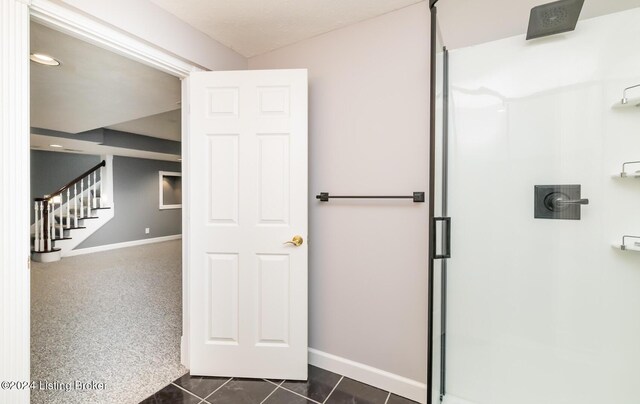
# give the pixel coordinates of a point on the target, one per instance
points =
(44, 59)
(55, 145)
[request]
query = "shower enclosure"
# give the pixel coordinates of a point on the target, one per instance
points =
(535, 212)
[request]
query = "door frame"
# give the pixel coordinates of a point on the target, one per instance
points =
(15, 274)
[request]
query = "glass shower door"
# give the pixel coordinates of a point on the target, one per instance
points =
(542, 305)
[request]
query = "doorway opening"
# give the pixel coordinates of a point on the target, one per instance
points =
(106, 296)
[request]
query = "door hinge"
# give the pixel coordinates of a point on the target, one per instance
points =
(29, 263)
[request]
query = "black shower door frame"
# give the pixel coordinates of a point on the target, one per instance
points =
(433, 219)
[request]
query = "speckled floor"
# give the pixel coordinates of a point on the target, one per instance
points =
(112, 317)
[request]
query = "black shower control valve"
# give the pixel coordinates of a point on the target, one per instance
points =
(558, 202)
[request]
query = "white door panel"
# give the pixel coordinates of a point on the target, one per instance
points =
(248, 165)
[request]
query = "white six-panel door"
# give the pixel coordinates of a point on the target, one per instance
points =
(247, 198)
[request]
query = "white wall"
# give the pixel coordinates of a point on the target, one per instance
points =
(544, 311)
(158, 27)
(368, 135)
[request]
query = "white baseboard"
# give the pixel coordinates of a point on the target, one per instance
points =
(115, 246)
(396, 384)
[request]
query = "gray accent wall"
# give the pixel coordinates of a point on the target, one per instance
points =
(135, 189)
(95, 136)
(52, 170)
(116, 138)
(134, 141)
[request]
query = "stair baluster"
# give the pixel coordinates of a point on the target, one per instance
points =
(47, 205)
(68, 222)
(45, 225)
(81, 213)
(41, 243)
(88, 196)
(52, 221)
(101, 181)
(94, 191)
(61, 227)
(75, 205)
(36, 243)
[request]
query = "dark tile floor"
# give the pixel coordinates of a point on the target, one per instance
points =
(322, 387)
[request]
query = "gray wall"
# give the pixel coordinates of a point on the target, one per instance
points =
(134, 141)
(135, 191)
(368, 132)
(116, 138)
(135, 188)
(50, 171)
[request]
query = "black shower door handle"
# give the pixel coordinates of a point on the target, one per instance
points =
(446, 233)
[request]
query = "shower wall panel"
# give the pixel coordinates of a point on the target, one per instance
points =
(544, 311)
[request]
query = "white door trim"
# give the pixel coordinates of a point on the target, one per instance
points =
(14, 200)
(14, 163)
(80, 26)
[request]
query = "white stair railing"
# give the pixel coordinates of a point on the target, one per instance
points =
(61, 202)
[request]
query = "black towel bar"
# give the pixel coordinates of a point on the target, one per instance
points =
(324, 197)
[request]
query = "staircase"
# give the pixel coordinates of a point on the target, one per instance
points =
(68, 216)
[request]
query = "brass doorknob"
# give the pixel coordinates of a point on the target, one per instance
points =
(296, 241)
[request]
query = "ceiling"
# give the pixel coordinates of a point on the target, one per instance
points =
(165, 125)
(471, 22)
(43, 142)
(95, 88)
(253, 27)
